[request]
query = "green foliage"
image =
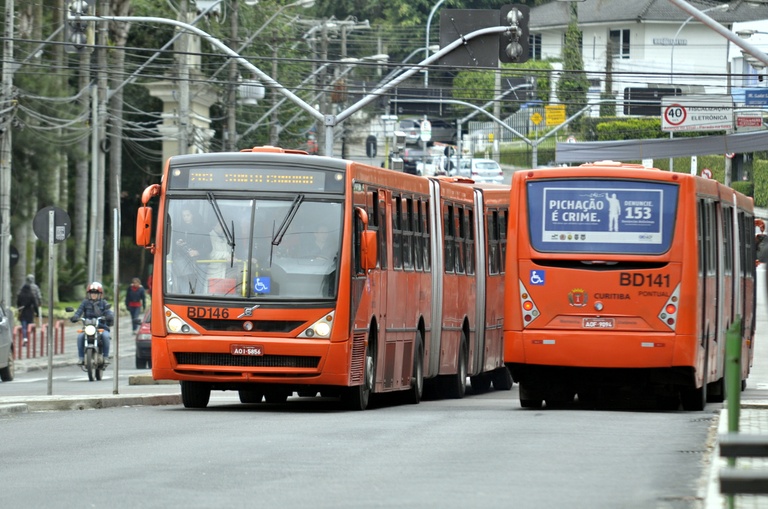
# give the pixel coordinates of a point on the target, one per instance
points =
(744, 186)
(573, 84)
(760, 178)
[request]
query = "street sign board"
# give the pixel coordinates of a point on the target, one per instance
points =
(756, 97)
(749, 121)
(711, 112)
(554, 114)
(426, 130)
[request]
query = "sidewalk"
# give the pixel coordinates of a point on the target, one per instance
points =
(753, 416)
(136, 393)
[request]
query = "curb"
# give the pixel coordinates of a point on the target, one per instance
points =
(57, 403)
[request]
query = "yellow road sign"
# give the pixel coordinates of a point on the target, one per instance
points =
(555, 114)
(536, 118)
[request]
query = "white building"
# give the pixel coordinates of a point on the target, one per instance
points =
(655, 44)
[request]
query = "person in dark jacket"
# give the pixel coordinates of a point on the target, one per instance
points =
(136, 302)
(94, 306)
(29, 308)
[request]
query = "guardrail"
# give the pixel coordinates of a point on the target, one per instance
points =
(37, 340)
(744, 481)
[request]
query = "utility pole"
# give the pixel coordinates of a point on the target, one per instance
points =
(232, 85)
(101, 130)
(183, 82)
(5, 154)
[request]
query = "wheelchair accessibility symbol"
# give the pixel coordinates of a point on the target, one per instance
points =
(537, 277)
(261, 285)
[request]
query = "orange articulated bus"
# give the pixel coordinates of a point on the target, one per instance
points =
(276, 272)
(622, 279)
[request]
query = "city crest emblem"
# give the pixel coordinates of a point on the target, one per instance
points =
(577, 297)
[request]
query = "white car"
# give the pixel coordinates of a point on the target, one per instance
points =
(481, 170)
(435, 166)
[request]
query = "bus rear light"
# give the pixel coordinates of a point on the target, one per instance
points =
(668, 313)
(529, 310)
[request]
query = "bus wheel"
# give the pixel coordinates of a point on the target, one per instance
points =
(502, 379)
(456, 385)
(247, 396)
(356, 397)
(414, 394)
(693, 399)
(480, 383)
(716, 391)
(529, 398)
(195, 394)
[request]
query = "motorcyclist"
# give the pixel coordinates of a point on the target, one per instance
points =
(94, 306)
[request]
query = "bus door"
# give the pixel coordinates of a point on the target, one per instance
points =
(432, 350)
(482, 310)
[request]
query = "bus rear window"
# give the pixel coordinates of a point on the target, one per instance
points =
(601, 216)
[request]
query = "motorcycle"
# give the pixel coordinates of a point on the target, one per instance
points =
(94, 361)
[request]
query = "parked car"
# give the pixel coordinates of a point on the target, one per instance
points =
(144, 343)
(480, 170)
(6, 345)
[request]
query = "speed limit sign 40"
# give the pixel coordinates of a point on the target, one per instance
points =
(675, 114)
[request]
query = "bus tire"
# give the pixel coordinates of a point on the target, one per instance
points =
(716, 391)
(358, 396)
(693, 399)
(456, 384)
(416, 392)
(480, 383)
(529, 398)
(502, 379)
(195, 394)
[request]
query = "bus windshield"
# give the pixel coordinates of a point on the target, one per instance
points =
(276, 248)
(601, 216)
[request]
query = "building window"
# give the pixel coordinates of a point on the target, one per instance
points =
(534, 43)
(619, 40)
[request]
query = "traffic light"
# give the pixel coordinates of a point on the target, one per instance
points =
(513, 43)
(77, 29)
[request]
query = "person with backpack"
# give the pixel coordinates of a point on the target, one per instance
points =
(136, 302)
(29, 308)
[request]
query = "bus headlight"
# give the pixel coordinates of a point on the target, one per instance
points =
(321, 329)
(177, 325)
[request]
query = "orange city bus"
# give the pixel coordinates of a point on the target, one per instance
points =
(246, 299)
(624, 280)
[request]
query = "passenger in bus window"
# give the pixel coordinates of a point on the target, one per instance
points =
(761, 243)
(191, 244)
(324, 244)
(221, 253)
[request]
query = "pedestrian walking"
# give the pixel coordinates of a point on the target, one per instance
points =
(136, 302)
(28, 307)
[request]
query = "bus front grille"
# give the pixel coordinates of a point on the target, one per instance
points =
(260, 361)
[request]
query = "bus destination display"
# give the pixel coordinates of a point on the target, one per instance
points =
(240, 178)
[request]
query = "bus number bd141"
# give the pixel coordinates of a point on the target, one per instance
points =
(652, 280)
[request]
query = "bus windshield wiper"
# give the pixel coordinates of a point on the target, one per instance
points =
(280, 233)
(228, 235)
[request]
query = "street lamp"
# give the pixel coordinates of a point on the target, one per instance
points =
(721, 7)
(426, 44)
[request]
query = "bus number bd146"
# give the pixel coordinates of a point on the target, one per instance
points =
(652, 280)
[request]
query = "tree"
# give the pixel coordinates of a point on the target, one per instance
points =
(573, 84)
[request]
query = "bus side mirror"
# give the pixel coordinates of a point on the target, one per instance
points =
(144, 226)
(367, 241)
(368, 250)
